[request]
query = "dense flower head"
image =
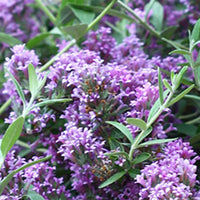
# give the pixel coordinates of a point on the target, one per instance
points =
(41, 176)
(172, 176)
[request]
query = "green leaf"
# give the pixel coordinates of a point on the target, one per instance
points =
(169, 32)
(189, 96)
(49, 102)
(180, 51)
(160, 86)
(133, 172)
(137, 122)
(7, 179)
(141, 158)
(8, 39)
(10, 137)
(123, 129)
(33, 80)
(148, 7)
(196, 31)
(115, 144)
(84, 16)
(144, 135)
(187, 129)
(180, 96)
(37, 39)
(117, 153)
(157, 15)
(167, 85)
(32, 195)
(112, 179)
(153, 142)
(18, 87)
(76, 31)
(156, 106)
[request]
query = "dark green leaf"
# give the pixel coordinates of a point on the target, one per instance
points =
(153, 142)
(112, 179)
(187, 129)
(133, 172)
(8, 39)
(156, 106)
(37, 39)
(115, 144)
(11, 136)
(117, 153)
(123, 129)
(142, 157)
(169, 32)
(137, 122)
(180, 51)
(196, 31)
(180, 96)
(85, 17)
(76, 31)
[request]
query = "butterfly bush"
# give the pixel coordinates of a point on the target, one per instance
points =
(106, 81)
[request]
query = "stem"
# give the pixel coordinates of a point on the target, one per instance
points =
(193, 121)
(98, 18)
(5, 105)
(46, 11)
(149, 28)
(50, 62)
(134, 145)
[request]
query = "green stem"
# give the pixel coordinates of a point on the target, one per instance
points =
(50, 62)
(5, 105)
(148, 27)
(98, 18)
(193, 121)
(162, 107)
(46, 11)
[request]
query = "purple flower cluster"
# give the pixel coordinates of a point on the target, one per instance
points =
(15, 19)
(173, 176)
(40, 177)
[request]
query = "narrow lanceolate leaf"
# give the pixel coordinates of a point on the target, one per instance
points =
(180, 96)
(144, 135)
(32, 195)
(141, 158)
(112, 179)
(49, 102)
(18, 88)
(133, 172)
(167, 85)
(123, 129)
(137, 122)
(196, 31)
(33, 80)
(11, 136)
(8, 39)
(160, 86)
(156, 106)
(76, 31)
(119, 153)
(7, 179)
(180, 51)
(153, 142)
